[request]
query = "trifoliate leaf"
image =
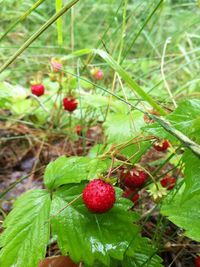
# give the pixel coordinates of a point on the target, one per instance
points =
(87, 236)
(27, 231)
(72, 170)
(182, 207)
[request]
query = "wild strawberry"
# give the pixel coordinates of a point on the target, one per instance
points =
(37, 89)
(147, 119)
(78, 129)
(97, 74)
(135, 178)
(168, 182)
(197, 261)
(56, 66)
(99, 196)
(123, 172)
(161, 146)
(70, 104)
(131, 194)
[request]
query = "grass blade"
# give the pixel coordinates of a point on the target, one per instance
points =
(141, 29)
(38, 33)
(21, 18)
(123, 74)
(59, 22)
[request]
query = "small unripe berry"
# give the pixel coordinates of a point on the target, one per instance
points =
(78, 129)
(147, 119)
(97, 74)
(56, 66)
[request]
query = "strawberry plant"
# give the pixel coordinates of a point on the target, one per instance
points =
(100, 136)
(59, 210)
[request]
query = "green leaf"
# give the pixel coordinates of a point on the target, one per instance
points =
(99, 101)
(72, 170)
(27, 230)
(145, 256)
(89, 237)
(122, 127)
(20, 107)
(186, 118)
(182, 207)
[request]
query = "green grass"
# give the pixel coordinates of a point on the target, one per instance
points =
(98, 24)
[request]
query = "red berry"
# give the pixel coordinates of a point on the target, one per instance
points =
(168, 182)
(98, 75)
(78, 129)
(161, 146)
(70, 104)
(37, 89)
(197, 261)
(147, 119)
(99, 196)
(135, 178)
(131, 194)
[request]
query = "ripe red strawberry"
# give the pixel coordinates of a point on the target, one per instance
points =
(161, 146)
(97, 74)
(131, 194)
(37, 89)
(135, 178)
(70, 103)
(99, 196)
(168, 182)
(197, 261)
